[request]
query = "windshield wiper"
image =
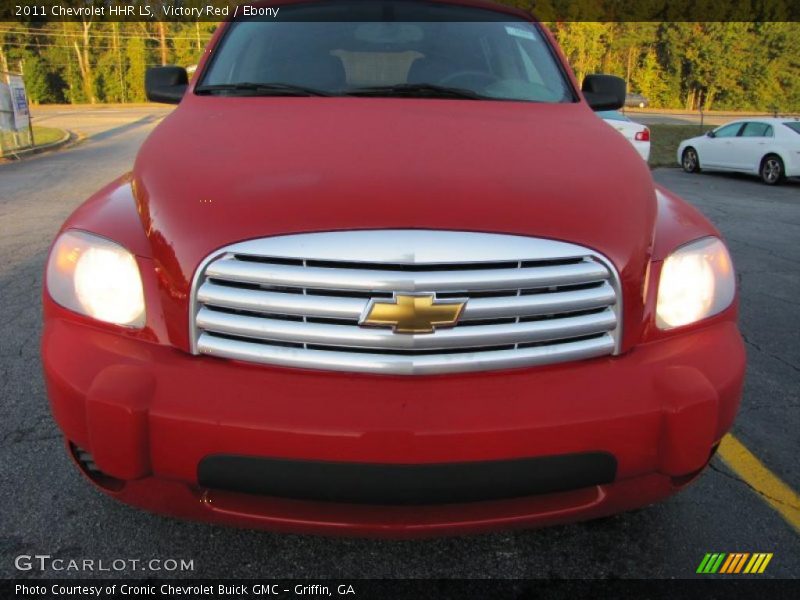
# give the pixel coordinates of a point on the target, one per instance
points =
(407, 90)
(417, 90)
(260, 89)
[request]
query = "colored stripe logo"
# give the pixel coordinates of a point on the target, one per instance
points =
(734, 563)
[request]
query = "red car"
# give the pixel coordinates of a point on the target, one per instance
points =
(383, 271)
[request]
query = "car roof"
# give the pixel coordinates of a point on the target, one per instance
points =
(755, 118)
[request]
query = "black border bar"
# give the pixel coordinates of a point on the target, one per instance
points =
(32, 11)
(416, 589)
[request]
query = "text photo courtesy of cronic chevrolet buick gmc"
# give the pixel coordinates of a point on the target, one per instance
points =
(384, 271)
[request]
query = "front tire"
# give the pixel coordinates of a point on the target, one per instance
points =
(771, 170)
(690, 161)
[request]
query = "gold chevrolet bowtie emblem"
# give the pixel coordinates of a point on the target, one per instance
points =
(413, 314)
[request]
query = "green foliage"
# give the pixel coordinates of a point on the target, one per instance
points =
(136, 65)
(713, 65)
(38, 81)
(96, 61)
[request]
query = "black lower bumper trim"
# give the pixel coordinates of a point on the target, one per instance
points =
(394, 484)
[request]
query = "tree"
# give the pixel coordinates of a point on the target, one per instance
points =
(583, 44)
(82, 44)
(726, 65)
(37, 81)
(136, 55)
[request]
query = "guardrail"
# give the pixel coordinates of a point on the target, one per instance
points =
(703, 117)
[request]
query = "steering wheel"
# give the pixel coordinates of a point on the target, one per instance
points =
(471, 79)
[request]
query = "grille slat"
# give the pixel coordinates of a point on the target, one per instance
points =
(368, 280)
(277, 302)
(363, 337)
(429, 364)
(287, 301)
(266, 301)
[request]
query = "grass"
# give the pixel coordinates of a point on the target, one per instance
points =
(664, 141)
(41, 136)
(47, 135)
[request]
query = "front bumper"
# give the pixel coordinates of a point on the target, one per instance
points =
(150, 415)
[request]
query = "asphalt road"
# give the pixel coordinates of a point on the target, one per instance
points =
(49, 509)
(676, 117)
(97, 122)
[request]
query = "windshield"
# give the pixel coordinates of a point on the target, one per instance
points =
(611, 115)
(387, 48)
(794, 126)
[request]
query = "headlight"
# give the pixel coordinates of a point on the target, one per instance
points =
(96, 277)
(697, 281)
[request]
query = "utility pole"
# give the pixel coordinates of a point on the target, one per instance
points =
(118, 55)
(3, 61)
(162, 42)
(70, 75)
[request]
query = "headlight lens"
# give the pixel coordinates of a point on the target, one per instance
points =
(96, 277)
(697, 281)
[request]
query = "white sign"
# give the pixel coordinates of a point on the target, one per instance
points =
(6, 108)
(19, 100)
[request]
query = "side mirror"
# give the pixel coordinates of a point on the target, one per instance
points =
(711, 134)
(604, 92)
(165, 84)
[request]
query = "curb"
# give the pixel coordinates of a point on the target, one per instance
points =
(66, 139)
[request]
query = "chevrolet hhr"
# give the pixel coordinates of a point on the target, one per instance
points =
(382, 271)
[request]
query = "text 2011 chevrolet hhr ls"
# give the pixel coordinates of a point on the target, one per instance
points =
(383, 271)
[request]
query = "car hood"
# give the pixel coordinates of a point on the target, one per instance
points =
(220, 170)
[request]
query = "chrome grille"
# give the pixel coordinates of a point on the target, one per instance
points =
(297, 301)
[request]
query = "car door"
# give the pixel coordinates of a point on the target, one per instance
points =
(752, 144)
(719, 151)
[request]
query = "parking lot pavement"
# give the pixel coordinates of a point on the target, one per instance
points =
(49, 509)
